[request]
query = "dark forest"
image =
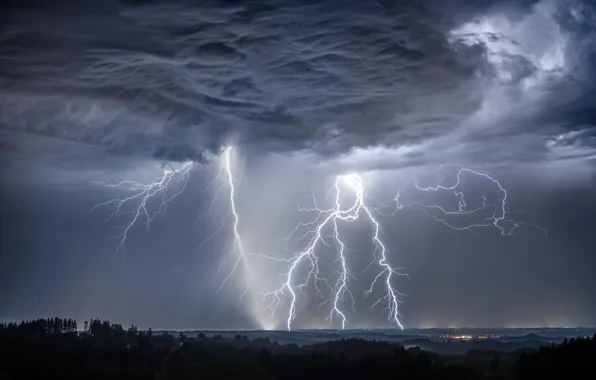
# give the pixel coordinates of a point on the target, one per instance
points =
(55, 348)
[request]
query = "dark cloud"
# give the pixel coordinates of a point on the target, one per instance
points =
(177, 80)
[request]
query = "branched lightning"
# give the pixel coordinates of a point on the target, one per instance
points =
(322, 230)
(497, 217)
(464, 214)
(142, 196)
(340, 291)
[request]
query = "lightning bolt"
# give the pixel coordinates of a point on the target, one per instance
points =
(498, 218)
(142, 196)
(323, 228)
(238, 248)
(237, 255)
(391, 298)
(331, 217)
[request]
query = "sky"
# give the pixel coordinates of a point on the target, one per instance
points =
(94, 93)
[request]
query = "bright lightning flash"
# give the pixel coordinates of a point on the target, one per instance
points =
(142, 196)
(240, 253)
(484, 215)
(326, 224)
(237, 255)
(329, 218)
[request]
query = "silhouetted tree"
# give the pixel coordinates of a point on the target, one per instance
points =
(494, 366)
(47, 348)
(571, 359)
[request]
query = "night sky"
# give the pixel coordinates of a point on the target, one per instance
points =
(110, 90)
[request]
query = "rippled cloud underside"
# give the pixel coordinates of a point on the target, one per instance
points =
(178, 80)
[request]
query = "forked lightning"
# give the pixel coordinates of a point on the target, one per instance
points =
(329, 218)
(143, 194)
(326, 224)
(464, 214)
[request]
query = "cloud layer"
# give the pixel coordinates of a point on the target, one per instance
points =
(178, 80)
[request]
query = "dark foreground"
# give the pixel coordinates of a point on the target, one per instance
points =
(52, 348)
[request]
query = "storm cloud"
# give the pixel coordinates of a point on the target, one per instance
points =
(180, 80)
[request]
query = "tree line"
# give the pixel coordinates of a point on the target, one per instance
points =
(573, 359)
(55, 348)
(40, 326)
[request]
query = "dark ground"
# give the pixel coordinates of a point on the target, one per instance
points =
(54, 348)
